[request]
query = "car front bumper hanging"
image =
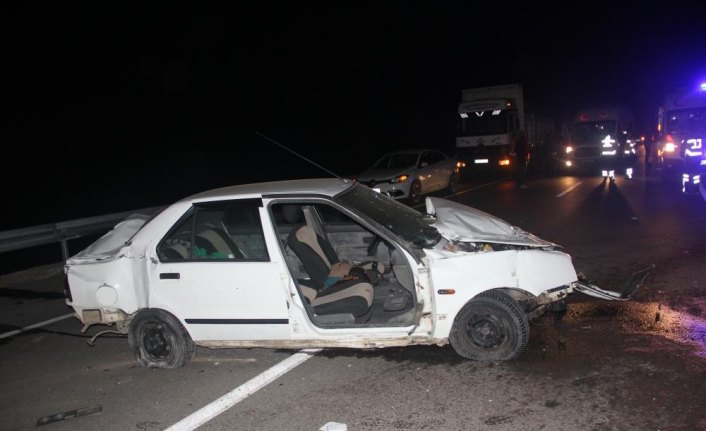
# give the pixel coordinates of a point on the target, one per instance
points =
(631, 285)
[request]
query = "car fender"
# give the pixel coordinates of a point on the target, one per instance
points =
(458, 277)
(108, 285)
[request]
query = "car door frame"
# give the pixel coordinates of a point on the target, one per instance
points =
(303, 328)
(170, 282)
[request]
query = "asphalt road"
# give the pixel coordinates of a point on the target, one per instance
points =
(636, 365)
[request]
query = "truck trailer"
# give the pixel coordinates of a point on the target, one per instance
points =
(489, 121)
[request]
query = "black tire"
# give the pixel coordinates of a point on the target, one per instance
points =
(453, 183)
(159, 340)
(490, 327)
(415, 192)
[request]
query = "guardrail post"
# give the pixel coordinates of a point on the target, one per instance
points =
(64, 248)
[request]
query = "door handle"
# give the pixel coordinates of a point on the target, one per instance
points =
(169, 276)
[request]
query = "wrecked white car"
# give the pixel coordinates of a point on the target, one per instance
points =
(316, 263)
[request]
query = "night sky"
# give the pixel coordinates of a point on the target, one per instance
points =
(112, 107)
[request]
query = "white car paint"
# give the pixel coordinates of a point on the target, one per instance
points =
(431, 177)
(110, 284)
(472, 273)
(457, 222)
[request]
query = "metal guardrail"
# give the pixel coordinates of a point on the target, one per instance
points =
(65, 231)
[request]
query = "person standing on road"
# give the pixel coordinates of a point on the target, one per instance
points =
(521, 153)
(648, 150)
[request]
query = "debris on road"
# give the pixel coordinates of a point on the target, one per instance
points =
(71, 414)
(334, 426)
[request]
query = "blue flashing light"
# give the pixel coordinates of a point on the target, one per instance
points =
(702, 86)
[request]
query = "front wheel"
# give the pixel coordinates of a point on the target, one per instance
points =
(159, 340)
(415, 192)
(490, 327)
(453, 183)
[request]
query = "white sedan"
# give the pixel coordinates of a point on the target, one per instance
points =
(316, 263)
(412, 174)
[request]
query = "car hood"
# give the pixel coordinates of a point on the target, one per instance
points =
(461, 223)
(110, 244)
(383, 174)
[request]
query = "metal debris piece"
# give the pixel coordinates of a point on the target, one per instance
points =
(71, 414)
(631, 286)
(92, 341)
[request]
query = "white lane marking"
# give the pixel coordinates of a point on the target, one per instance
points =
(476, 188)
(466, 191)
(36, 325)
(238, 394)
(568, 190)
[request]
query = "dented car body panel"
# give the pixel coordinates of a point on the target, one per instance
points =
(258, 292)
(460, 223)
(469, 274)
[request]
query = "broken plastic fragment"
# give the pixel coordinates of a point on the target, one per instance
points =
(334, 426)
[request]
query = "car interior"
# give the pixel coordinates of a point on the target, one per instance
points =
(346, 274)
(229, 232)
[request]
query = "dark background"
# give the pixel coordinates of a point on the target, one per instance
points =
(116, 106)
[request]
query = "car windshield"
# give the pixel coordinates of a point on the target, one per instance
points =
(397, 161)
(687, 120)
(400, 219)
(593, 131)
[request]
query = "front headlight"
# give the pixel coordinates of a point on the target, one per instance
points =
(399, 178)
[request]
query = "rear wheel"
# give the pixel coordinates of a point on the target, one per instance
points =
(490, 327)
(159, 340)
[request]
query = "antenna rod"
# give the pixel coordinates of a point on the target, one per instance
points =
(297, 154)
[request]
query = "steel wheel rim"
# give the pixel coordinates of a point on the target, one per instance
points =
(156, 341)
(486, 330)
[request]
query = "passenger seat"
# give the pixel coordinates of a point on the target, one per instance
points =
(342, 293)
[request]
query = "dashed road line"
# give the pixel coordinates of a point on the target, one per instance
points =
(476, 188)
(568, 190)
(36, 325)
(238, 394)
